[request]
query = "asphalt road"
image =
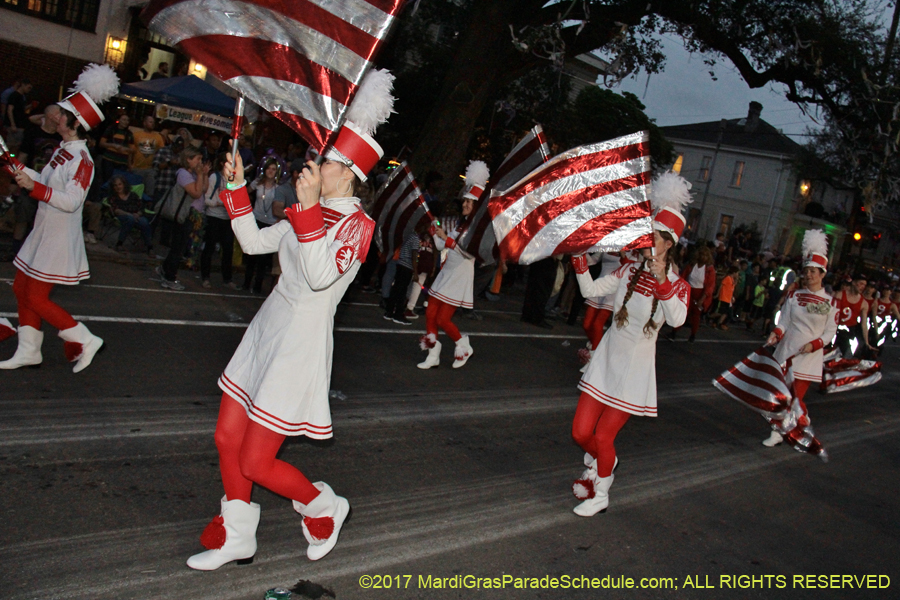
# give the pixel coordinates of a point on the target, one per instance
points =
(109, 476)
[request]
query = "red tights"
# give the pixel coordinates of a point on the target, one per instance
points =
(594, 321)
(595, 428)
(33, 299)
(247, 453)
(438, 316)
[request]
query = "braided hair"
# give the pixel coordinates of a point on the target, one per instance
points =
(621, 317)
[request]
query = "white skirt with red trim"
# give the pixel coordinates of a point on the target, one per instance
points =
(54, 250)
(281, 370)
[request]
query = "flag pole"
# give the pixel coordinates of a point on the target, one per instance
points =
(236, 127)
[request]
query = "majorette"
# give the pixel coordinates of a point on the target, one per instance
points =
(53, 253)
(276, 385)
(454, 284)
(808, 321)
(620, 380)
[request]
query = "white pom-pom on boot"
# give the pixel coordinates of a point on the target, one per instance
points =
(463, 352)
(81, 346)
(322, 520)
(28, 352)
(230, 536)
(429, 342)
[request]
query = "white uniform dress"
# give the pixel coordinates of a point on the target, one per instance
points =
(622, 371)
(806, 317)
(281, 370)
(54, 250)
(455, 284)
(609, 263)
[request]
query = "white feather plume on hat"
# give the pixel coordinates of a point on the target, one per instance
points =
(477, 173)
(670, 190)
(99, 82)
(815, 242)
(373, 103)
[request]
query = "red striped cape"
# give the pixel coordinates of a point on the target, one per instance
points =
(301, 60)
(399, 207)
(590, 198)
(478, 238)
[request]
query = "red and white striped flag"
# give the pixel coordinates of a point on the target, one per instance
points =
(301, 60)
(849, 374)
(767, 387)
(590, 198)
(399, 207)
(478, 238)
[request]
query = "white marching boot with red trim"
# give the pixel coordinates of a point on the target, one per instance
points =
(230, 536)
(463, 352)
(599, 500)
(429, 342)
(80, 346)
(322, 520)
(28, 352)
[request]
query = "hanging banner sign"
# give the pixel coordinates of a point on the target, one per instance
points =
(164, 112)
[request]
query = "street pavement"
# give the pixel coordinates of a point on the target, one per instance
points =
(453, 474)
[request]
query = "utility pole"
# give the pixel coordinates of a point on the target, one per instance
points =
(712, 168)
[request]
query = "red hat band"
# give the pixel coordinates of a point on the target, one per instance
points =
(671, 221)
(359, 149)
(85, 110)
(816, 260)
(475, 192)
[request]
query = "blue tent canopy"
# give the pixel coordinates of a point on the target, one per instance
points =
(184, 92)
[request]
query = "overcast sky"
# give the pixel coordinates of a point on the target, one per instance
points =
(685, 93)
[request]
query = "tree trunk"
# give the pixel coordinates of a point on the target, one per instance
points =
(484, 54)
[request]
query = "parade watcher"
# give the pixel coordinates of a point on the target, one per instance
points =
(166, 163)
(396, 305)
(116, 144)
(808, 322)
(620, 380)
(147, 143)
(54, 253)
(286, 193)
(276, 384)
(454, 286)
(257, 266)
(218, 228)
(16, 113)
(192, 178)
(725, 298)
(128, 208)
(701, 276)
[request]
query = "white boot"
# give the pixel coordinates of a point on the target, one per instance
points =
(322, 520)
(429, 342)
(6, 329)
(599, 501)
(230, 536)
(773, 440)
(28, 353)
(584, 487)
(463, 352)
(81, 346)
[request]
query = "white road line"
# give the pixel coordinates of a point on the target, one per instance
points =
(161, 291)
(495, 334)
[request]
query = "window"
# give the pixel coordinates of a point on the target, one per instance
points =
(704, 168)
(79, 14)
(676, 168)
(725, 223)
(738, 173)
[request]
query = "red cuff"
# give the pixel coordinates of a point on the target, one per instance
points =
(450, 243)
(663, 290)
(817, 344)
(579, 263)
(778, 333)
(236, 202)
(309, 225)
(41, 192)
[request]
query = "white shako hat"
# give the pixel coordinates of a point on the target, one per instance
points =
(371, 107)
(815, 249)
(477, 174)
(95, 85)
(669, 194)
